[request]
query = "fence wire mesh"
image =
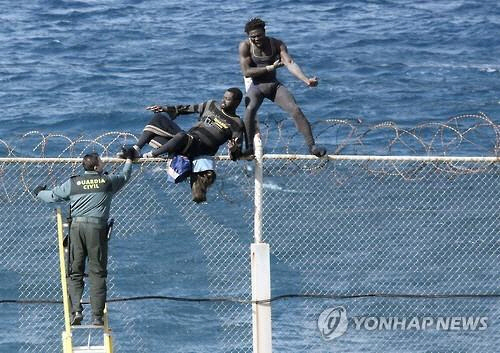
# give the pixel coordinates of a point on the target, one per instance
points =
(380, 239)
(154, 220)
(415, 239)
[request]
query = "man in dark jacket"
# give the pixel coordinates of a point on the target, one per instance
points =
(218, 123)
(90, 198)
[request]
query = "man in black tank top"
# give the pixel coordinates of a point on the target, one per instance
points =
(260, 56)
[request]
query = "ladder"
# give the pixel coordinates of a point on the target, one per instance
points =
(67, 334)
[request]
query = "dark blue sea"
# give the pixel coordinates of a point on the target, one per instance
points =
(428, 69)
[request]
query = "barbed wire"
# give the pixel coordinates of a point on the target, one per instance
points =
(468, 133)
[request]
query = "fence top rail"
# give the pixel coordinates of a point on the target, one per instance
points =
(387, 158)
(272, 157)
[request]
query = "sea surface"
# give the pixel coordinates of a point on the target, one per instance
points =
(86, 67)
(80, 69)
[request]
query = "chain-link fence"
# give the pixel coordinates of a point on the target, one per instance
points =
(174, 267)
(384, 242)
(369, 254)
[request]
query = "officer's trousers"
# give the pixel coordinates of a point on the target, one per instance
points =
(88, 240)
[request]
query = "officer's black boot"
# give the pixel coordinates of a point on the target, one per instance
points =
(76, 318)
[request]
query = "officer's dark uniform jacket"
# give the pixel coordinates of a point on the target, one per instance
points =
(90, 194)
(215, 126)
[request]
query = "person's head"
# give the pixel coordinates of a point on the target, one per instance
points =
(92, 163)
(231, 99)
(200, 183)
(254, 23)
(256, 31)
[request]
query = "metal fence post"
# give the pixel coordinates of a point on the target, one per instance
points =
(261, 274)
(66, 334)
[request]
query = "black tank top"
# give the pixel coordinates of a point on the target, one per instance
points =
(264, 60)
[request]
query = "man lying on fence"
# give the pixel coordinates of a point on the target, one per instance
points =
(218, 124)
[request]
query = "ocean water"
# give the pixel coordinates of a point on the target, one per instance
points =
(83, 68)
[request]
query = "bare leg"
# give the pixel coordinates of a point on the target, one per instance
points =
(253, 100)
(287, 102)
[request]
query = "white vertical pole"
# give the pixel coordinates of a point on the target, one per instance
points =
(258, 189)
(261, 272)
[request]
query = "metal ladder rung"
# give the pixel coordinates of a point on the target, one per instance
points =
(94, 327)
(93, 349)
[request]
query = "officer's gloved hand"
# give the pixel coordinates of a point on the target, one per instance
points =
(318, 151)
(128, 152)
(38, 189)
(148, 155)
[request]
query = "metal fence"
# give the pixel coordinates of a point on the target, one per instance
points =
(367, 254)
(206, 254)
(386, 247)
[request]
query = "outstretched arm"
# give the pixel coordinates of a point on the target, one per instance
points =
(246, 60)
(174, 111)
(119, 180)
(57, 194)
(190, 109)
(170, 110)
(295, 69)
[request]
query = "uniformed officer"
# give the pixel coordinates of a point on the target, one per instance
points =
(90, 197)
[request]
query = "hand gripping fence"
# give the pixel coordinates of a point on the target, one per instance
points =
(365, 251)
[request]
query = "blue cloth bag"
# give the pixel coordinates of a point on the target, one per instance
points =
(178, 169)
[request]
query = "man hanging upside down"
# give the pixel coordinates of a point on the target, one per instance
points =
(218, 124)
